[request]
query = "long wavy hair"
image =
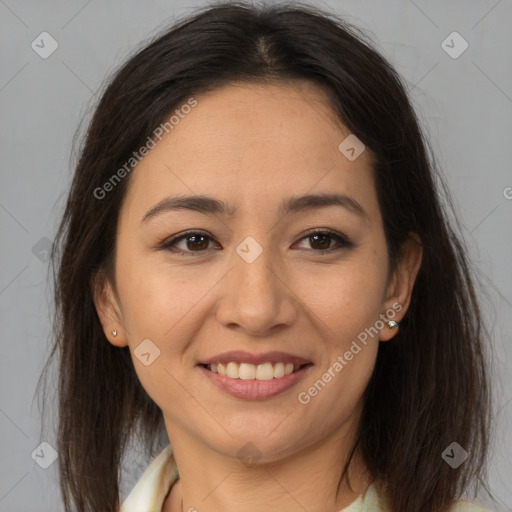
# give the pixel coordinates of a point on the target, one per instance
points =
(430, 385)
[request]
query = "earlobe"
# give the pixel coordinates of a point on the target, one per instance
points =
(389, 330)
(108, 310)
(116, 338)
(402, 282)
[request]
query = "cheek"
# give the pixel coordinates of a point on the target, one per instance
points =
(347, 305)
(345, 298)
(160, 298)
(345, 310)
(159, 306)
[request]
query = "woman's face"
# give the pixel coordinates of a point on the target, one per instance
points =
(255, 279)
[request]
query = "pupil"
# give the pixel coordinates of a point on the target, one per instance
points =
(324, 237)
(194, 245)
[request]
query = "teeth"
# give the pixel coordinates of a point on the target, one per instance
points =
(264, 371)
(246, 371)
(278, 370)
(232, 370)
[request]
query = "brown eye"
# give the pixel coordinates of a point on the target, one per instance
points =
(322, 241)
(192, 242)
(196, 242)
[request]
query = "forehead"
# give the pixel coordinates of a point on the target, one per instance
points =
(247, 143)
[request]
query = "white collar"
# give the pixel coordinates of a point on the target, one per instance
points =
(150, 491)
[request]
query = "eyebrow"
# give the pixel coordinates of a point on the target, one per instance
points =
(212, 206)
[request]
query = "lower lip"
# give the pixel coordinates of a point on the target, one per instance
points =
(255, 389)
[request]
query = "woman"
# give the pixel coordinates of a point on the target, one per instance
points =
(254, 262)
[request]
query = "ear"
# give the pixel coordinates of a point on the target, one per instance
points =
(107, 307)
(400, 287)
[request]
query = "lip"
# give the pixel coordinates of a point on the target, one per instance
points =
(255, 389)
(240, 356)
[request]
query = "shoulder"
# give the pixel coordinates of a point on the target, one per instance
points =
(468, 506)
(373, 503)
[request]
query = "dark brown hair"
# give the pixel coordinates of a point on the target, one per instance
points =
(430, 385)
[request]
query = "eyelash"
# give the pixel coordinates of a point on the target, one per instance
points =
(342, 242)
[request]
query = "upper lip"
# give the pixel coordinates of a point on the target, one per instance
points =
(239, 356)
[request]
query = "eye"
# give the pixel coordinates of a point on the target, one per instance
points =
(198, 242)
(322, 239)
(195, 242)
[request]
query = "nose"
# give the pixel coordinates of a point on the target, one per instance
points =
(256, 296)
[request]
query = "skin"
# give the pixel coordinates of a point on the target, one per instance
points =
(253, 146)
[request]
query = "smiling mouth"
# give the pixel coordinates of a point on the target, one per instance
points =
(247, 371)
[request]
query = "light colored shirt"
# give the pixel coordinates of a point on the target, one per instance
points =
(150, 491)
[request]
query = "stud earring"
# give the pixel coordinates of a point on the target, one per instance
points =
(392, 324)
(114, 333)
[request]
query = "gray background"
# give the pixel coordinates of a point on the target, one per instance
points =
(464, 103)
